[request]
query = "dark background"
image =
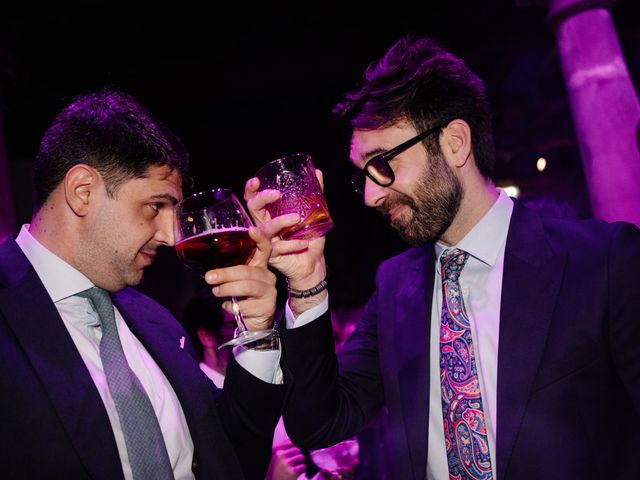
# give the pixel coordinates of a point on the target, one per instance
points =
(247, 84)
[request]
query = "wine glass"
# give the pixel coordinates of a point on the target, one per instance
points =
(212, 231)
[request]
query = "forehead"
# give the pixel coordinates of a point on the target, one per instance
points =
(367, 143)
(157, 181)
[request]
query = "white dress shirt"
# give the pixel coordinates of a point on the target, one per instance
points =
(63, 283)
(216, 377)
(481, 285)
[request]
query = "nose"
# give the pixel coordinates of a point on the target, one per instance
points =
(164, 228)
(374, 194)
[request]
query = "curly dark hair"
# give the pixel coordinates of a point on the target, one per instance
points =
(420, 82)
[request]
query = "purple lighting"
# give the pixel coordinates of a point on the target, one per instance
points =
(604, 105)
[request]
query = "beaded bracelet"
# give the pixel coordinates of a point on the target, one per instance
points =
(307, 293)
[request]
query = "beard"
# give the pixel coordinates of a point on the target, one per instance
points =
(435, 203)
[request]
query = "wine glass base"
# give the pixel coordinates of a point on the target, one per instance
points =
(247, 337)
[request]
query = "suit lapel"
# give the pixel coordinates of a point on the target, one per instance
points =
(47, 344)
(180, 368)
(531, 280)
(193, 389)
(413, 307)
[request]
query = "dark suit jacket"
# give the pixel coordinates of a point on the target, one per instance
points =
(568, 393)
(52, 419)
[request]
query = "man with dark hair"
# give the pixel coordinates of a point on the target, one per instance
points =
(505, 345)
(108, 131)
(97, 380)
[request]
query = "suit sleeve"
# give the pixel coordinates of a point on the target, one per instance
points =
(249, 411)
(624, 308)
(331, 399)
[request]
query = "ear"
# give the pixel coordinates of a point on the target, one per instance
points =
(456, 143)
(80, 185)
(206, 338)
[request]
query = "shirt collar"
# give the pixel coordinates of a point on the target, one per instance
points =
(59, 278)
(216, 377)
(485, 240)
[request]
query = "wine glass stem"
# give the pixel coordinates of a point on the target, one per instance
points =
(238, 314)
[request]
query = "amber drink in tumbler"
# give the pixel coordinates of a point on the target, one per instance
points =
(300, 192)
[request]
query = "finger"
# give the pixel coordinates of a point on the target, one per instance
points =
(239, 273)
(263, 251)
(292, 451)
(286, 444)
(250, 188)
(258, 202)
(257, 312)
(286, 247)
(274, 227)
(320, 177)
(300, 468)
(245, 289)
(294, 460)
(262, 198)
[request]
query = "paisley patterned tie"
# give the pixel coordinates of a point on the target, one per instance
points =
(465, 431)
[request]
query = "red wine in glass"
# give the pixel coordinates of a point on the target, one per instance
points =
(216, 249)
(212, 231)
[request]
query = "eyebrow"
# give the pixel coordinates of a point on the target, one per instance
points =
(369, 155)
(165, 196)
(375, 152)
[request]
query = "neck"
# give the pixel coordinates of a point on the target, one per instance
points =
(476, 201)
(51, 230)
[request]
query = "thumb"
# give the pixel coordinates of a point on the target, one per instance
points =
(320, 177)
(263, 250)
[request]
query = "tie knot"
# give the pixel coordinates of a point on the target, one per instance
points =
(96, 295)
(453, 261)
(101, 301)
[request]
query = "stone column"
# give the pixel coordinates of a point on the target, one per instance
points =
(604, 103)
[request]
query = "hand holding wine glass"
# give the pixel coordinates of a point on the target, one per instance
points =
(253, 285)
(213, 232)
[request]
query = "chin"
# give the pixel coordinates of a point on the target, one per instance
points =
(134, 279)
(417, 237)
(113, 287)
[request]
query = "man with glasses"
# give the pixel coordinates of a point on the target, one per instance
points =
(504, 345)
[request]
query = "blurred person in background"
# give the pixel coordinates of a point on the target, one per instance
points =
(209, 326)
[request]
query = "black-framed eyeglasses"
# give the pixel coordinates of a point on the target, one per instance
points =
(378, 168)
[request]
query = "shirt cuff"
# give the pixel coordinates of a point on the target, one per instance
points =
(307, 316)
(263, 364)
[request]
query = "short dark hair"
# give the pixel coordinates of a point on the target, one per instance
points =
(111, 132)
(422, 83)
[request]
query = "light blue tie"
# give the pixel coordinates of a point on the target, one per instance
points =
(147, 453)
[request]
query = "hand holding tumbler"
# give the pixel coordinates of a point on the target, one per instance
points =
(300, 192)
